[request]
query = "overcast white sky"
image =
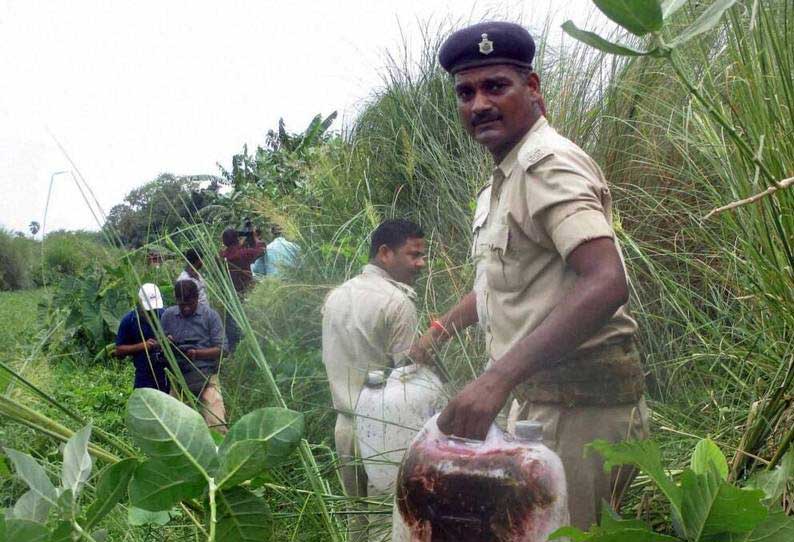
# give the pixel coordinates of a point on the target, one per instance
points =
(133, 89)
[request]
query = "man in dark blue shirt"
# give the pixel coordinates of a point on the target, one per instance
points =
(136, 338)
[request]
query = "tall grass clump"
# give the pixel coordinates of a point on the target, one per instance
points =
(712, 288)
(17, 261)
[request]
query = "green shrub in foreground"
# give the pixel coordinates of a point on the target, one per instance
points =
(704, 506)
(183, 465)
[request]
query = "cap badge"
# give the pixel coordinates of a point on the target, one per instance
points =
(486, 45)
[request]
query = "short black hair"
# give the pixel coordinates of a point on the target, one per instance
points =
(230, 237)
(185, 291)
(393, 233)
(192, 256)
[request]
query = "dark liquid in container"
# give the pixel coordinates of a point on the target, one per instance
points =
(451, 493)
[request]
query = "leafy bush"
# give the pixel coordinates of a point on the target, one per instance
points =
(87, 308)
(30, 516)
(71, 253)
(183, 464)
(704, 506)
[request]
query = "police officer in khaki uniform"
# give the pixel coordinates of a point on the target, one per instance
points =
(369, 323)
(550, 290)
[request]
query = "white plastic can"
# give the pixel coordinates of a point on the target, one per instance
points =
(389, 414)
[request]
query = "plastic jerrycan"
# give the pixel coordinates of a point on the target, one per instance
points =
(389, 413)
(505, 488)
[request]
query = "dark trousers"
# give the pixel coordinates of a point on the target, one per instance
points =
(232, 332)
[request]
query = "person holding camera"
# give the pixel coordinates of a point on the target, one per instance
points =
(239, 253)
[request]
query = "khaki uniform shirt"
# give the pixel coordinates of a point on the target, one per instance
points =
(544, 199)
(369, 323)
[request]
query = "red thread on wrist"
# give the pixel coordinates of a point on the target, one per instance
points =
(437, 325)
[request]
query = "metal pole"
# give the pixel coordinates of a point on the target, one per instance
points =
(44, 224)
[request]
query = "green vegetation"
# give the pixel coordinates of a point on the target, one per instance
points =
(683, 122)
(16, 261)
(159, 207)
(704, 506)
(25, 262)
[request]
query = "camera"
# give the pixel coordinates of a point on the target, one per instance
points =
(247, 231)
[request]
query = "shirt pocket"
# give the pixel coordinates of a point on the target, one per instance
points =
(501, 269)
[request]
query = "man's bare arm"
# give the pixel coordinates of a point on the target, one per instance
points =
(456, 319)
(124, 350)
(598, 292)
(213, 352)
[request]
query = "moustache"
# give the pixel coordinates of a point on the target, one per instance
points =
(482, 118)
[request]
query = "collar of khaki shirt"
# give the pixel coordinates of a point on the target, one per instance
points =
(527, 151)
(371, 269)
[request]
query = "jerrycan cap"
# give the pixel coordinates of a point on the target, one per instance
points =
(529, 431)
(376, 378)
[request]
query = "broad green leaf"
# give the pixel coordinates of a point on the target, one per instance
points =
(156, 487)
(171, 432)
(707, 20)
(138, 516)
(4, 471)
(773, 483)
(613, 528)
(612, 520)
(67, 507)
(108, 315)
(24, 530)
(637, 16)
(33, 475)
(628, 534)
(31, 507)
(669, 7)
(76, 461)
(242, 517)
(707, 455)
(111, 489)
(63, 532)
(643, 454)
(261, 439)
(711, 506)
(777, 527)
(571, 533)
(594, 40)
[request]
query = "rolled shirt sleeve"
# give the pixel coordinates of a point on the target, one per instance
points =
(567, 205)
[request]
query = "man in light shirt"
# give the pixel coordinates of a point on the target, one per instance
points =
(191, 273)
(369, 323)
(281, 254)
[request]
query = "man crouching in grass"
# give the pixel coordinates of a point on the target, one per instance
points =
(196, 334)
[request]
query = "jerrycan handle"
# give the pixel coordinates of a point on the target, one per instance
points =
(467, 442)
(375, 379)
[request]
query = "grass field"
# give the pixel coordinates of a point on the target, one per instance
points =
(18, 319)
